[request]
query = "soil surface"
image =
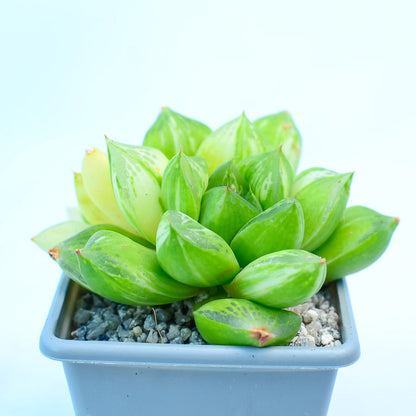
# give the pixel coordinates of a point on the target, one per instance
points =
(97, 318)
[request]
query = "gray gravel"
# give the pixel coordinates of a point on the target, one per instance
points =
(96, 318)
(320, 323)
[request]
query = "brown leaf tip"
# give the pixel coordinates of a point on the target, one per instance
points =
(261, 335)
(90, 150)
(78, 251)
(323, 260)
(396, 220)
(54, 253)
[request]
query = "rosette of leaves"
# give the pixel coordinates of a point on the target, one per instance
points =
(269, 239)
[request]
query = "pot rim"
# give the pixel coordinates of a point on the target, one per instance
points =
(276, 358)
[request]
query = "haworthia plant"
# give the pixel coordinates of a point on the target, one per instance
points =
(225, 212)
(280, 130)
(109, 265)
(184, 182)
(97, 182)
(136, 174)
(192, 254)
(172, 131)
(278, 228)
(241, 322)
(237, 139)
(359, 240)
(281, 279)
(270, 176)
(323, 196)
(251, 212)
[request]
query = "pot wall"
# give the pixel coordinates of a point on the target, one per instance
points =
(135, 390)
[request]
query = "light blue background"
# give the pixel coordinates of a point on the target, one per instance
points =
(71, 72)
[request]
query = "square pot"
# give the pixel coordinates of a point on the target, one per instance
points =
(110, 378)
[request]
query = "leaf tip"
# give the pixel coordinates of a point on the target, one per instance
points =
(90, 151)
(54, 253)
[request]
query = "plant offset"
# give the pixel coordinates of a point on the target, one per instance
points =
(196, 210)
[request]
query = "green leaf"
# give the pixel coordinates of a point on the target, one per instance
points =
(64, 252)
(323, 196)
(123, 271)
(270, 176)
(225, 212)
(136, 173)
(237, 139)
(241, 322)
(192, 254)
(52, 236)
(279, 280)
(278, 228)
(184, 182)
(359, 240)
(228, 175)
(280, 130)
(172, 131)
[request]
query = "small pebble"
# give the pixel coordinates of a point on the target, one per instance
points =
(174, 331)
(96, 331)
(82, 316)
(326, 338)
(149, 323)
(152, 336)
(309, 316)
(137, 331)
(185, 333)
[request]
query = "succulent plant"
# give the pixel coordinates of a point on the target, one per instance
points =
(221, 212)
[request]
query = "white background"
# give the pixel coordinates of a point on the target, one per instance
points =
(71, 72)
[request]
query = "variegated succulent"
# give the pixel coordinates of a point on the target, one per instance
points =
(192, 209)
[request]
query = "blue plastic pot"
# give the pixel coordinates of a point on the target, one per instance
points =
(115, 378)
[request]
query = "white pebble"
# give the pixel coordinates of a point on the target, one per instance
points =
(326, 338)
